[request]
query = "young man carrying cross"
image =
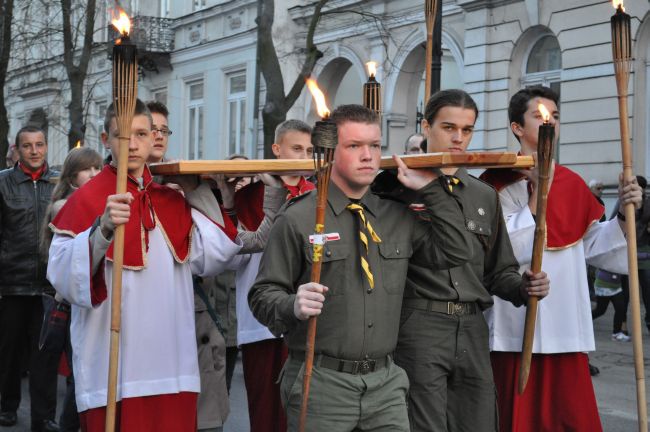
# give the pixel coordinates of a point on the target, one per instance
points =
(355, 384)
(166, 241)
(443, 337)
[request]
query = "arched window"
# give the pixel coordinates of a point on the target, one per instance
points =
(544, 64)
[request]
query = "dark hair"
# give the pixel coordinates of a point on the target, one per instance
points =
(448, 98)
(642, 181)
(519, 102)
(424, 145)
(158, 107)
(291, 125)
(78, 159)
(354, 113)
(140, 109)
(29, 129)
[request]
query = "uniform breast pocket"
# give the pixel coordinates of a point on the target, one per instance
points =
(334, 266)
(394, 265)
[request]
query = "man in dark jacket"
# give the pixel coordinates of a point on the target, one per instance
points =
(25, 192)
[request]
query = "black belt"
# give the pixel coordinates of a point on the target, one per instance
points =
(354, 367)
(449, 308)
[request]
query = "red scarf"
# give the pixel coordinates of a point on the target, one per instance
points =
(154, 204)
(35, 175)
(571, 207)
(249, 200)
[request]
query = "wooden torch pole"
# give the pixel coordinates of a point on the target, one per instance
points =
(622, 54)
(545, 142)
(324, 138)
(125, 90)
(430, 11)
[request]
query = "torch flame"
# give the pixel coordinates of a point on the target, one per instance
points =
(122, 23)
(78, 144)
(618, 4)
(546, 115)
(319, 98)
(372, 68)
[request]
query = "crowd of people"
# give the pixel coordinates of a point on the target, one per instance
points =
(420, 305)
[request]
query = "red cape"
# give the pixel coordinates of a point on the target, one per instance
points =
(153, 205)
(571, 207)
(250, 198)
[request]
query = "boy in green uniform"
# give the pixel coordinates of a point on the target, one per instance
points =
(355, 384)
(443, 337)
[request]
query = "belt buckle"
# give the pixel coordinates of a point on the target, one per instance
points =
(365, 366)
(459, 308)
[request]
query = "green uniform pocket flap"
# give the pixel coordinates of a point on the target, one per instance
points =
(478, 227)
(395, 250)
(331, 252)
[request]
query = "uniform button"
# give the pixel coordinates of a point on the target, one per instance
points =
(369, 290)
(456, 283)
(370, 325)
(328, 253)
(397, 251)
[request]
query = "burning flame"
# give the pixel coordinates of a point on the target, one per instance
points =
(78, 144)
(372, 68)
(319, 98)
(617, 4)
(122, 23)
(546, 115)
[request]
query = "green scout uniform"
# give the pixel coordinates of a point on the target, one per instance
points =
(443, 337)
(355, 385)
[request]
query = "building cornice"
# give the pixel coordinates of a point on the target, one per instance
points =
(474, 5)
(211, 12)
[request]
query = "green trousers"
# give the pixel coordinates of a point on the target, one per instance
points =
(447, 359)
(342, 402)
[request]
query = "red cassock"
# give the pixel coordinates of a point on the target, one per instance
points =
(559, 395)
(158, 377)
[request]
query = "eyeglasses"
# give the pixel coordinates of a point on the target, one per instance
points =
(164, 132)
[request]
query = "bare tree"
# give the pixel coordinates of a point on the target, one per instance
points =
(278, 102)
(6, 14)
(77, 72)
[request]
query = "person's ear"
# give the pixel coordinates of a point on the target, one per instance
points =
(517, 129)
(275, 148)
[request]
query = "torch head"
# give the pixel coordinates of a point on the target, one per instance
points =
(324, 136)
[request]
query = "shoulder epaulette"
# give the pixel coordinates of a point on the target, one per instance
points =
(295, 199)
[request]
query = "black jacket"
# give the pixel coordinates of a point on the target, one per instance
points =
(23, 203)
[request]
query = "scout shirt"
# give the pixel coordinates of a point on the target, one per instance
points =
(356, 322)
(492, 270)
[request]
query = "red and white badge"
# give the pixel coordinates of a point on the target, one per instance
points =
(322, 238)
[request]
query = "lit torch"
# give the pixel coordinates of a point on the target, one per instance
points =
(545, 141)
(324, 137)
(78, 145)
(622, 55)
(125, 93)
(372, 89)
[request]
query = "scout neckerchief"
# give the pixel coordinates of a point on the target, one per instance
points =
(449, 181)
(365, 228)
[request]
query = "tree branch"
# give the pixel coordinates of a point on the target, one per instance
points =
(313, 54)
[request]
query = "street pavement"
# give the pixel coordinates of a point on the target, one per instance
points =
(615, 386)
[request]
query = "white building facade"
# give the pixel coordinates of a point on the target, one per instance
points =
(491, 49)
